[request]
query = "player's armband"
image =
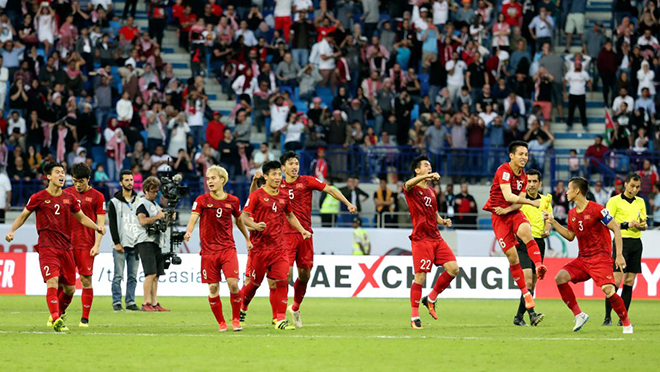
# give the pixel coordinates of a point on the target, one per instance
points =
(607, 217)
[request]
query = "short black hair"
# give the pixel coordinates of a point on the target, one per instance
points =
(270, 165)
(81, 171)
(417, 162)
(535, 172)
(288, 156)
(632, 176)
(48, 167)
(581, 183)
(513, 146)
(123, 173)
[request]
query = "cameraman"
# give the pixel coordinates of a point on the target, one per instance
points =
(148, 243)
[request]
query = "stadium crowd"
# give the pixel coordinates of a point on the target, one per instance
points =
(79, 81)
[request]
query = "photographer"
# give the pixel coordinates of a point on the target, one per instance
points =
(148, 243)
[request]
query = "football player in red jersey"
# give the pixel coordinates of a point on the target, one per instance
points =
(428, 247)
(299, 189)
(590, 223)
(266, 213)
(507, 196)
(85, 242)
(218, 250)
(54, 246)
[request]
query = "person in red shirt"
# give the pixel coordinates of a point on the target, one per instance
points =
(266, 213)
(186, 21)
(215, 131)
(214, 210)
(129, 30)
(593, 157)
(512, 13)
(590, 223)
(507, 196)
(215, 8)
(56, 262)
(86, 242)
(428, 247)
(299, 190)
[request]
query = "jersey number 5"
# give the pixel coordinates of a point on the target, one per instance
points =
(291, 195)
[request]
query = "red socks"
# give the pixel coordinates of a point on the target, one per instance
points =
(519, 277)
(415, 297)
(273, 301)
(64, 300)
(440, 285)
(569, 298)
(620, 308)
(534, 252)
(283, 297)
(299, 289)
(236, 302)
(87, 298)
(53, 303)
(247, 292)
(216, 308)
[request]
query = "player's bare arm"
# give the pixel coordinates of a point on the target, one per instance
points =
(20, 220)
(144, 220)
(510, 197)
(339, 196)
(87, 222)
(253, 185)
(442, 221)
(243, 230)
(561, 230)
(293, 220)
(618, 245)
(249, 222)
(194, 217)
(502, 211)
(421, 178)
(100, 221)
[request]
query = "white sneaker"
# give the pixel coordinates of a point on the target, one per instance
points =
(580, 320)
(628, 330)
(297, 322)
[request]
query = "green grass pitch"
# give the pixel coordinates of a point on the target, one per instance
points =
(339, 335)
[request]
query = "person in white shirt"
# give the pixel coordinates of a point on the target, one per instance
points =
(293, 131)
(577, 95)
(455, 75)
(279, 112)
(621, 98)
(302, 6)
(260, 157)
(327, 64)
(600, 194)
(4, 77)
(645, 77)
(5, 193)
(440, 14)
(124, 109)
(249, 40)
(245, 83)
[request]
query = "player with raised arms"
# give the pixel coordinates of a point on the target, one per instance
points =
(428, 247)
(56, 261)
(266, 212)
(214, 210)
(589, 223)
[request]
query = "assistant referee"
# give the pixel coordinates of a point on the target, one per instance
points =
(540, 231)
(630, 212)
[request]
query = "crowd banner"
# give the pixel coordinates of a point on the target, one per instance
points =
(334, 276)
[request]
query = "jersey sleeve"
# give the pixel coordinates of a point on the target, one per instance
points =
(236, 210)
(33, 203)
(569, 223)
(100, 204)
(502, 176)
(287, 207)
(604, 216)
(197, 205)
(314, 184)
(524, 186)
(74, 207)
(251, 203)
(142, 209)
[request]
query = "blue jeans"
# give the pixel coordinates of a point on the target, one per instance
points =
(130, 257)
(198, 134)
(111, 169)
(300, 56)
(103, 116)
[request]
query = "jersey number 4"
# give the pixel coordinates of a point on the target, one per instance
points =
(275, 207)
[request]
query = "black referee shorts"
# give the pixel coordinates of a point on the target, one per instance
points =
(153, 261)
(632, 253)
(525, 261)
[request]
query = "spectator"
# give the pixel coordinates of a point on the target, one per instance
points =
(577, 80)
(554, 65)
(538, 147)
(384, 200)
(308, 77)
(287, 71)
(593, 157)
(436, 136)
(178, 130)
(600, 195)
(370, 16)
(215, 130)
(622, 98)
(575, 21)
(649, 178)
(261, 156)
(326, 64)
(656, 205)
(455, 75)
(646, 102)
(560, 202)
(512, 13)
(228, 151)
(501, 31)
(466, 209)
(100, 175)
(542, 27)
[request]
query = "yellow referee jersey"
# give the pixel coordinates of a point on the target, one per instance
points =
(535, 215)
(626, 210)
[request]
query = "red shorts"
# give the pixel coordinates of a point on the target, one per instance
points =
(57, 263)
(275, 262)
(427, 253)
(283, 23)
(84, 261)
(225, 260)
(300, 250)
(598, 268)
(505, 228)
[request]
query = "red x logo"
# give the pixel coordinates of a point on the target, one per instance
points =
(369, 275)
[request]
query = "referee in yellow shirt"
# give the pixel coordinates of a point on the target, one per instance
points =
(630, 212)
(540, 231)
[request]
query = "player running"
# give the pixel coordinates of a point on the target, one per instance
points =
(85, 242)
(299, 190)
(509, 190)
(264, 213)
(589, 222)
(56, 260)
(428, 247)
(214, 210)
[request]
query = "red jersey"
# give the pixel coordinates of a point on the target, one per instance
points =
(299, 193)
(130, 32)
(52, 218)
(216, 230)
(423, 206)
(270, 209)
(92, 204)
(590, 230)
(505, 175)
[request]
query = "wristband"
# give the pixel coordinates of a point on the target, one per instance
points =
(624, 226)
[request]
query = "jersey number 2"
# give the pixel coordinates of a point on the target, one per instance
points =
(57, 209)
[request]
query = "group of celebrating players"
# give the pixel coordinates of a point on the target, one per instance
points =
(276, 224)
